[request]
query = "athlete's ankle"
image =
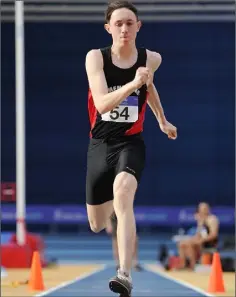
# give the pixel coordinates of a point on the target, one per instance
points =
(125, 272)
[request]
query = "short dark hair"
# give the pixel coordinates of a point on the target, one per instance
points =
(117, 4)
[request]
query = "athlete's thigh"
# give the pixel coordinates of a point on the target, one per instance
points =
(98, 215)
(132, 159)
(99, 179)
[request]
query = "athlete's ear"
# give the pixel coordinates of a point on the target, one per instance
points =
(107, 28)
(139, 25)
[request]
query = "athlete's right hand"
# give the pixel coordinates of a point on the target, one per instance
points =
(141, 76)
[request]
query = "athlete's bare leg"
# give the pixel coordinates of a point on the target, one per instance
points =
(115, 250)
(125, 186)
(98, 215)
(135, 252)
(135, 262)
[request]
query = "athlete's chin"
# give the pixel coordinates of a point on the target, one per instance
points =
(125, 41)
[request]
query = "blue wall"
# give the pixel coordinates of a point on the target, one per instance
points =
(196, 85)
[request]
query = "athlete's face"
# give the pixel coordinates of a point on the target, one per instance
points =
(123, 26)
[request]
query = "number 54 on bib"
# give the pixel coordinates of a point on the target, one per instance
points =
(126, 112)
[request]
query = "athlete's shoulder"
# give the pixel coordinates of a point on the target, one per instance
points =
(93, 54)
(94, 59)
(154, 59)
(98, 55)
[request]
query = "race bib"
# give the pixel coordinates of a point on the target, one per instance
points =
(126, 112)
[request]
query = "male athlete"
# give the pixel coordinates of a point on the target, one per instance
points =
(120, 84)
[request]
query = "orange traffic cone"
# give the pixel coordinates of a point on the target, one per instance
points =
(36, 277)
(216, 282)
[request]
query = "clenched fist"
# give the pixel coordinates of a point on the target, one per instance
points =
(142, 76)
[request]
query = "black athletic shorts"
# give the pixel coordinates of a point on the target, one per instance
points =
(107, 158)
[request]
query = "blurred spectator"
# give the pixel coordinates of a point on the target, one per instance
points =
(206, 236)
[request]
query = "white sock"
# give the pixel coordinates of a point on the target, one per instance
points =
(124, 274)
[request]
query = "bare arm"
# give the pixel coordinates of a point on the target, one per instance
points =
(103, 100)
(213, 224)
(154, 103)
(153, 62)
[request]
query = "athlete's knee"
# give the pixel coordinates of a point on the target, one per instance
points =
(125, 186)
(123, 203)
(96, 226)
(124, 197)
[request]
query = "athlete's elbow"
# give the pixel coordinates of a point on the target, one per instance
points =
(101, 108)
(102, 105)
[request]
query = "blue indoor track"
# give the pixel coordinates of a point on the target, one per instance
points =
(98, 250)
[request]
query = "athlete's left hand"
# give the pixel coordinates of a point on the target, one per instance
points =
(169, 129)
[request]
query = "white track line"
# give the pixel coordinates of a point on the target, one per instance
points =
(65, 284)
(180, 282)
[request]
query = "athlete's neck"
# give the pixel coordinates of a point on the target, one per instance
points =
(125, 51)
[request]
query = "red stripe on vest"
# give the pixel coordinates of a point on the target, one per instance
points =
(138, 126)
(92, 111)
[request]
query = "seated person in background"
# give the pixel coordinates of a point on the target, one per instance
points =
(206, 236)
(112, 229)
